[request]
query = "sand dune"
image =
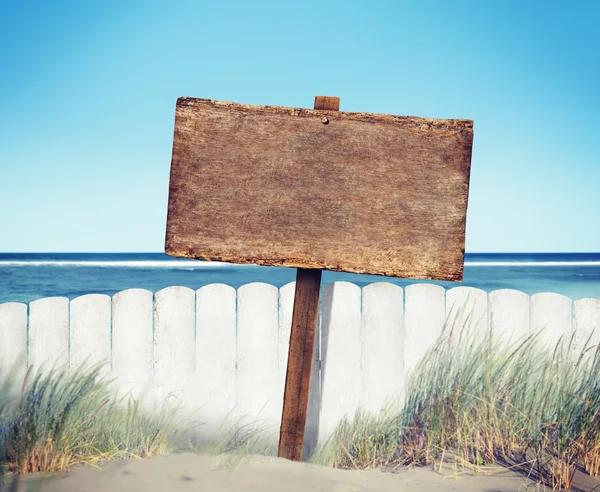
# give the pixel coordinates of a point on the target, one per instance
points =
(199, 472)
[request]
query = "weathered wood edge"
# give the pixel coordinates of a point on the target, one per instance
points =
(409, 122)
(449, 126)
(291, 263)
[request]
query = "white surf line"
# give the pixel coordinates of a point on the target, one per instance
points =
(531, 263)
(126, 264)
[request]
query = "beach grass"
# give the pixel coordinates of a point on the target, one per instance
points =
(62, 418)
(479, 403)
(471, 401)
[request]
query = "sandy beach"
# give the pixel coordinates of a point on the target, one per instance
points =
(256, 473)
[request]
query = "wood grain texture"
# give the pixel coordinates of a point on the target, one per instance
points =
(364, 193)
(327, 102)
(301, 347)
(297, 381)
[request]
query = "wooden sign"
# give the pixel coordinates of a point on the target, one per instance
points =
(317, 189)
(353, 192)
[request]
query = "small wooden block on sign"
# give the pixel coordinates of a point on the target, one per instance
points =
(354, 192)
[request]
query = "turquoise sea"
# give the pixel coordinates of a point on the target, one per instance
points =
(25, 277)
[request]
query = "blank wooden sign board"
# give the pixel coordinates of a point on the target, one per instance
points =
(317, 190)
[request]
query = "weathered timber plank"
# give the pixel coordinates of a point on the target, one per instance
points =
(299, 363)
(364, 193)
(327, 102)
(302, 346)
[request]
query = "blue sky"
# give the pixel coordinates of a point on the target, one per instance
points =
(88, 91)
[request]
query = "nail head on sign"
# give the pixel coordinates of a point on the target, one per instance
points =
(324, 120)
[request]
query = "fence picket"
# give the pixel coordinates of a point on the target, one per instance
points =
(340, 354)
(466, 308)
(586, 313)
(213, 388)
(226, 351)
(381, 340)
(509, 316)
(13, 340)
(174, 320)
(90, 331)
(131, 356)
(553, 313)
(424, 315)
(286, 308)
(257, 357)
(49, 333)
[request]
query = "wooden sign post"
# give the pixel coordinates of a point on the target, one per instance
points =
(302, 341)
(317, 189)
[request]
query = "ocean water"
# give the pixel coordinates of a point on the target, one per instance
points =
(25, 277)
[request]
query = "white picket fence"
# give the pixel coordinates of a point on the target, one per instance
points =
(225, 351)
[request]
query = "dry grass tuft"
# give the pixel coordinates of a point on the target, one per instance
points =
(478, 402)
